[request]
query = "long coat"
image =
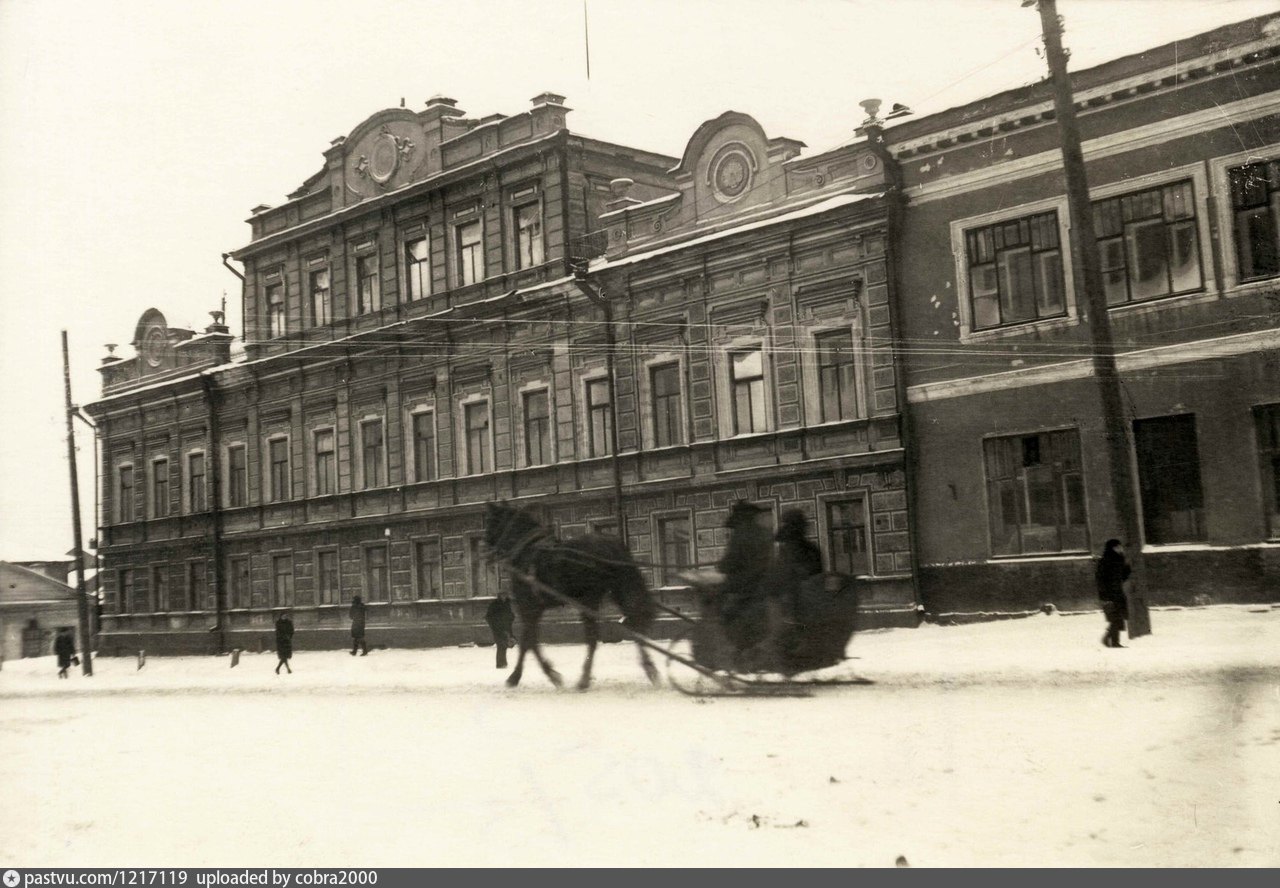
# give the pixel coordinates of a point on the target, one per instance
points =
(284, 638)
(65, 647)
(357, 619)
(500, 617)
(1112, 572)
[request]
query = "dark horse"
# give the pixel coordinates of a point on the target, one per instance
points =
(584, 570)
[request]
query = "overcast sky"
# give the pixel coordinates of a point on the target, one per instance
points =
(135, 136)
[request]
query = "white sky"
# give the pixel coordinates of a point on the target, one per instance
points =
(135, 136)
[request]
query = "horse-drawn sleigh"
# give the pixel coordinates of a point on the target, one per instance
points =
(799, 632)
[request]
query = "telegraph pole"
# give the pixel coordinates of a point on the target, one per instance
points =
(82, 604)
(1085, 260)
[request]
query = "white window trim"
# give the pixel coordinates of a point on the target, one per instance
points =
(226, 473)
(586, 376)
(644, 390)
(119, 493)
(464, 443)
(530, 387)
(824, 526)
(315, 266)
(724, 382)
(960, 256)
(809, 370)
(363, 250)
(408, 236)
(410, 444)
(187, 505)
(362, 423)
(1218, 168)
(516, 204)
(151, 487)
(313, 477)
(455, 247)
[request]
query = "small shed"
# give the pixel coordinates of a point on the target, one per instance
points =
(34, 604)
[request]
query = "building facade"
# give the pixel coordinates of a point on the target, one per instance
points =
(35, 602)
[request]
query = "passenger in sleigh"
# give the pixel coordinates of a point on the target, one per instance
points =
(747, 561)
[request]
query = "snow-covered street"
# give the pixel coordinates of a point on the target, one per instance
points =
(1020, 742)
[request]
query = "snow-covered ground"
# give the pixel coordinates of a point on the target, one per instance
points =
(1015, 743)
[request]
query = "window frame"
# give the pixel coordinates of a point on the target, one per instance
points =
(519, 205)
(860, 498)
(367, 566)
(330, 478)
(279, 490)
(194, 602)
(416, 269)
(325, 317)
(370, 302)
(125, 583)
(464, 420)
(126, 502)
(815, 338)
(650, 412)
(379, 443)
(526, 393)
(277, 311)
(474, 250)
(158, 505)
(437, 587)
(589, 408)
(320, 591)
(233, 592)
(236, 496)
(731, 420)
(667, 571)
(1219, 172)
(196, 504)
(1142, 478)
(432, 472)
(289, 598)
(1024, 491)
(481, 571)
(161, 583)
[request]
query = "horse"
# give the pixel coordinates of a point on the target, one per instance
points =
(584, 570)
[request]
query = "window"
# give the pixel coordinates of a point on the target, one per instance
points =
(275, 309)
(377, 577)
(373, 458)
(1255, 206)
(424, 446)
(197, 586)
(124, 596)
(664, 382)
(125, 502)
(196, 499)
(159, 488)
(237, 475)
(746, 383)
(848, 546)
(1148, 243)
(278, 462)
(368, 287)
(318, 285)
(1268, 422)
(675, 548)
(1035, 493)
(599, 418)
(241, 593)
(160, 589)
(282, 580)
(1015, 271)
(1169, 479)
(417, 268)
(325, 464)
(483, 572)
(837, 377)
(427, 573)
(470, 253)
(528, 219)
(477, 420)
(537, 429)
(327, 576)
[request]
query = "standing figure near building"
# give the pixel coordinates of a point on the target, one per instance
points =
(357, 627)
(284, 642)
(746, 562)
(65, 647)
(1113, 572)
(500, 618)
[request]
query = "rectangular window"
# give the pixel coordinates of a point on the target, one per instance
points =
(470, 250)
(424, 446)
(1015, 271)
(483, 572)
(377, 576)
(327, 576)
(746, 382)
(1169, 479)
(599, 418)
(275, 310)
(196, 499)
(528, 225)
(160, 589)
(282, 580)
(160, 488)
(837, 379)
(1268, 423)
(675, 548)
(124, 593)
(1148, 243)
(417, 268)
(124, 504)
(237, 476)
(368, 287)
(197, 586)
(326, 473)
(477, 419)
(241, 592)
(374, 457)
(427, 572)
(1035, 493)
(1255, 207)
(848, 544)
(278, 462)
(537, 429)
(318, 285)
(666, 395)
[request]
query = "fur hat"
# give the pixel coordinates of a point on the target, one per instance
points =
(742, 512)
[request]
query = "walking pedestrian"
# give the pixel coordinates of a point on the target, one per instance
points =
(1113, 573)
(284, 642)
(500, 618)
(357, 627)
(64, 645)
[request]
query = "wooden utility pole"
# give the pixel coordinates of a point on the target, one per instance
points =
(1088, 269)
(82, 603)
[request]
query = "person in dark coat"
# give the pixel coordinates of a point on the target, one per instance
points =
(284, 642)
(798, 559)
(1113, 571)
(65, 647)
(357, 627)
(747, 560)
(500, 618)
